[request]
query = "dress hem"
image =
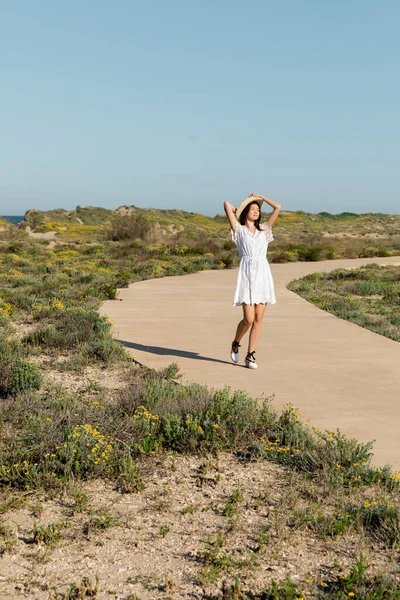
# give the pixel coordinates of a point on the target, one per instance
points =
(254, 303)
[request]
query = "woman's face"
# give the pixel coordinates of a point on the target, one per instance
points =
(254, 212)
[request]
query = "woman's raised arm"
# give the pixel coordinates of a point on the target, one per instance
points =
(230, 213)
(277, 207)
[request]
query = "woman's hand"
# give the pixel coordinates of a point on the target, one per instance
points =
(272, 203)
(258, 196)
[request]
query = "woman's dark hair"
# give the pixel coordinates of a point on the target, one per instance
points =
(243, 215)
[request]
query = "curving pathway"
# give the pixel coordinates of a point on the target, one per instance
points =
(338, 374)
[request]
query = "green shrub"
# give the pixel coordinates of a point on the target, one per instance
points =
(25, 376)
(381, 520)
(321, 524)
(16, 374)
(47, 534)
(70, 328)
(10, 350)
(356, 584)
(129, 227)
(128, 474)
(312, 253)
(106, 350)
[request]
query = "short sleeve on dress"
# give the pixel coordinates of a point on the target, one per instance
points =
(236, 233)
(268, 232)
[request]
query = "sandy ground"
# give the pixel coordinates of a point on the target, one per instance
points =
(49, 235)
(338, 374)
(156, 545)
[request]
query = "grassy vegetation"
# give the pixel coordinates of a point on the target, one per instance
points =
(57, 293)
(41, 221)
(86, 588)
(357, 584)
(300, 236)
(368, 296)
(8, 231)
(53, 440)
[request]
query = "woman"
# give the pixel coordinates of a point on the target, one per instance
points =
(255, 286)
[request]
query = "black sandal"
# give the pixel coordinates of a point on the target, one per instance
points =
(250, 360)
(235, 351)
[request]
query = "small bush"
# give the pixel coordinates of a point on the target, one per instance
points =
(129, 227)
(25, 376)
(81, 330)
(84, 589)
(71, 327)
(47, 534)
(381, 520)
(106, 350)
(322, 525)
(7, 539)
(128, 475)
(18, 376)
(10, 350)
(357, 584)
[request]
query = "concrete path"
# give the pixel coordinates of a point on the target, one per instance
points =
(338, 374)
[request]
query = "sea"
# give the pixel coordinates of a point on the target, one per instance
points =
(14, 220)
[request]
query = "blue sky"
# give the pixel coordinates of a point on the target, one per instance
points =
(185, 104)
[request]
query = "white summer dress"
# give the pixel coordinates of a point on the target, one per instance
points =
(254, 283)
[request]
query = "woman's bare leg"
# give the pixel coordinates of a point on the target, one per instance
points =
(257, 326)
(246, 322)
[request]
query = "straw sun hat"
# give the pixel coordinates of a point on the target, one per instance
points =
(247, 201)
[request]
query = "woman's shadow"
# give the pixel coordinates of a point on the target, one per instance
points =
(171, 352)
